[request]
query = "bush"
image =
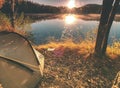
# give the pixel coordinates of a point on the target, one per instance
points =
(4, 22)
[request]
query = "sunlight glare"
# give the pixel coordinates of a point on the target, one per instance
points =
(70, 19)
(71, 4)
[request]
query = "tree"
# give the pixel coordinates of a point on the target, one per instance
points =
(109, 24)
(107, 16)
(12, 13)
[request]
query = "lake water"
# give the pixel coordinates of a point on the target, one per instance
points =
(68, 27)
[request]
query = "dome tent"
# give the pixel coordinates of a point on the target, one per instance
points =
(21, 66)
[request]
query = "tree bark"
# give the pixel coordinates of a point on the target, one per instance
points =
(13, 12)
(107, 6)
(109, 24)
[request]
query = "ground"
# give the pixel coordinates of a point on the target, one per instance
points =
(67, 67)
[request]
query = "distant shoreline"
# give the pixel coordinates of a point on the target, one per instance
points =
(94, 17)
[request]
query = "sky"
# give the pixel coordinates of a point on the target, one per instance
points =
(64, 2)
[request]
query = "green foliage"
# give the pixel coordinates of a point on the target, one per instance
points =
(29, 7)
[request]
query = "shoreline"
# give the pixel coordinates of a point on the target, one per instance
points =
(94, 17)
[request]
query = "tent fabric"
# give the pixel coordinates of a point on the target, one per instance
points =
(21, 66)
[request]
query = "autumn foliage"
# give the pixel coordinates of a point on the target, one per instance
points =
(1, 3)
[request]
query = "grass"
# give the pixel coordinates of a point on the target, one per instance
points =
(20, 24)
(114, 50)
(86, 45)
(4, 22)
(70, 65)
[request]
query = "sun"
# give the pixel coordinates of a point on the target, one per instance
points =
(71, 4)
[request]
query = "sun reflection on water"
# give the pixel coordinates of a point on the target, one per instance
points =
(70, 19)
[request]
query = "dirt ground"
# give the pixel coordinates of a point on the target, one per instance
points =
(70, 69)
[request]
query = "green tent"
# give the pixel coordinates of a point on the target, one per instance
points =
(21, 66)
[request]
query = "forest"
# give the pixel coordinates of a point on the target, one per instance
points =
(31, 7)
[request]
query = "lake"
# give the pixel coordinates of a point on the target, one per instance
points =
(64, 27)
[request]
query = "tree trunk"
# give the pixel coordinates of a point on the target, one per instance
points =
(107, 6)
(12, 14)
(109, 24)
